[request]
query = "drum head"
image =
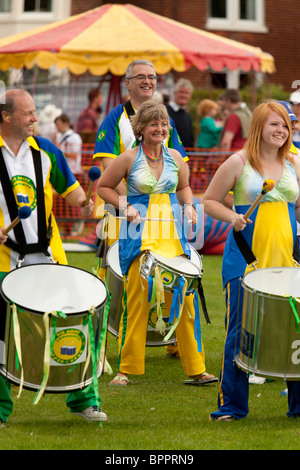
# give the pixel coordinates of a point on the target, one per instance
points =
(196, 258)
(179, 264)
(53, 287)
(283, 281)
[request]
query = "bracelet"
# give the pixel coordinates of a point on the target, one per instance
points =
(125, 207)
(190, 204)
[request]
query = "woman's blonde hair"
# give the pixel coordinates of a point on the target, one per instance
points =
(147, 112)
(259, 118)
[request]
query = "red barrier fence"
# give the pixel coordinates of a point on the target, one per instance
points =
(203, 163)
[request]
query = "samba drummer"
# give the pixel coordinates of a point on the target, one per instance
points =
(29, 166)
(155, 177)
(270, 235)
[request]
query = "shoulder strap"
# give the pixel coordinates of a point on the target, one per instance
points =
(129, 108)
(21, 246)
(41, 209)
(10, 200)
(244, 247)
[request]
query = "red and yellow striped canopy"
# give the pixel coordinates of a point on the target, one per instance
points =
(108, 38)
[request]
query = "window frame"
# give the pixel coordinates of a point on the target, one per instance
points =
(232, 22)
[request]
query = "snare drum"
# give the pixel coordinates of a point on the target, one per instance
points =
(44, 288)
(270, 344)
(172, 269)
(114, 281)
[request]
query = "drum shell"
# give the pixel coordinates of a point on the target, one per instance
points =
(148, 267)
(269, 343)
(115, 285)
(65, 375)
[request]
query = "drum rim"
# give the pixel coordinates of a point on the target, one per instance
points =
(199, 256)
(261, 292)
(39, 312)
(177, 271)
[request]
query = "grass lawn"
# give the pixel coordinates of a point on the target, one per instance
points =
(157, 411)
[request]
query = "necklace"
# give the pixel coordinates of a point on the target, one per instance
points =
(153, 160)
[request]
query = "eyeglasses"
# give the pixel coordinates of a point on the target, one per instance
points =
(140, 78)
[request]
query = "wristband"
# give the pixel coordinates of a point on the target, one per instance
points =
(190, 204)
(125, 207)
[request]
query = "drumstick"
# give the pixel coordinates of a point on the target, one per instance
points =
(154, 219)
(267, 186)
(23, 213)
(93, 173)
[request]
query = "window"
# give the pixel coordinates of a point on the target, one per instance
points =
(38, 5)
(5, 6)
(218, 9)
(236, 15)
(247, 10)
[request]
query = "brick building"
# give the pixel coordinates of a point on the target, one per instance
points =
(272, 26)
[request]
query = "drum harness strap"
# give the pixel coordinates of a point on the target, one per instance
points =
(21, 246)
(247, 253)
(101, 240)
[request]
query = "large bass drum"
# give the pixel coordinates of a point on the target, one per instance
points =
(71, 302)
(270, 338)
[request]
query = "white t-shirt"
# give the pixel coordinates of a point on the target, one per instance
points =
(71, 142)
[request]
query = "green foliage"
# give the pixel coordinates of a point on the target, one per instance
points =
(250, 95)
(156, 411)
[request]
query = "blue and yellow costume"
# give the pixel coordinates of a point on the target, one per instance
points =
(153, 198)
(271, 237)
(114, 137)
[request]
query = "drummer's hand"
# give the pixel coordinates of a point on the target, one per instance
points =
(3, 237)
(239, 222)
(88, 209)
(132, 214)
(191, 214)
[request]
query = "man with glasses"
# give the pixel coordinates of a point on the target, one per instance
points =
(115, 135)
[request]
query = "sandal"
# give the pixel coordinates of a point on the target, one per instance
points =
(119, 378)
(226, 418)
(201, 379)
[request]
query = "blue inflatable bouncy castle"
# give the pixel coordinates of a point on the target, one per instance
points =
(209, 235)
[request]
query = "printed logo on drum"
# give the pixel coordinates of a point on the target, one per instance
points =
(153, 316)
(24, 190)
(167, 278)
(68, 346)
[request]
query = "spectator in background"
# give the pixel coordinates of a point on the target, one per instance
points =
(166, 96)
(223, 113)
(46, 126)
(182, 94)
(237, 124)
(210, 130)
(70, 143)
(295, 102)
(88, 121)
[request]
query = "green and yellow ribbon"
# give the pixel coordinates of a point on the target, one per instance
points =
(292, 301)
(49, 342)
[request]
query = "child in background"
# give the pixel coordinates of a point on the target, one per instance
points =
(210, 130)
